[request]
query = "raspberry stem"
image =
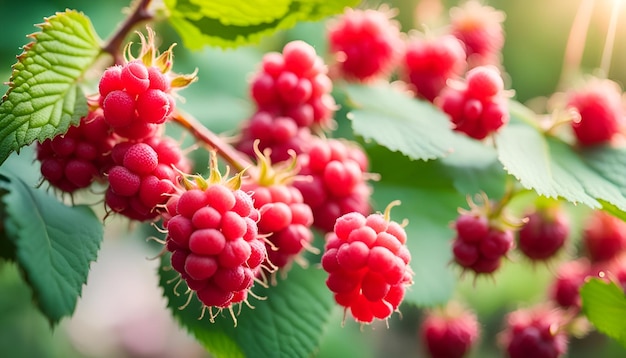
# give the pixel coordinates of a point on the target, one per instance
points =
(237, 160)
(139, 14)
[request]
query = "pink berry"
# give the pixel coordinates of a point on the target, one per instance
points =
(430, 62)
(365, 274)
(479, 107)
(153, 106)
(599, 103)
(604, 236)
(449, 333)
(535, 332)
(365, 43)
(119, 108)
(570, 276)
(141, 159)
(135, 77)
(544, 233)
(479, 27)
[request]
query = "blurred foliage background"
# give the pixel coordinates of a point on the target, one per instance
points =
(122, 314)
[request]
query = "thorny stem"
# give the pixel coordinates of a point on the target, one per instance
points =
(234, 158)
(114, 44)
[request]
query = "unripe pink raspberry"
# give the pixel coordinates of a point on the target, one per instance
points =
(599, 103)
(544, 233)
(449, 332)
(366, 43)
(604, 236)
(536, 332)
(366, 273)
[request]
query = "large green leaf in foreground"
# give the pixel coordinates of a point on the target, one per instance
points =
(54, 244)
(288, 323)
(234, 23)
(44, 99)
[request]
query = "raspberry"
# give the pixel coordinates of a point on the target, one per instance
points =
(544, 233)
(477, 108)
(75, 159)
(449, 333)
(479, 27)
(110, 81)
(280, 134)
(363, 273)
(285, 220)
(222, 250)
(137, 95)
(295, 85)
(337, 185)
(430, 62)
(365, 43)
(535, 332)
(142, 179)
(570, 276)
(599, 103)
(604, 236)
(480, 244)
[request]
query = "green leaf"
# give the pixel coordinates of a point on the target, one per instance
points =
(234, 23)
(55, 244)
(553, 168)
(289, 323)
(604, 304)
(401, 123)
(44, 99)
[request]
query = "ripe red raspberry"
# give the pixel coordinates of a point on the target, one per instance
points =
(430, 62)
(449, 332)
(128, 96)
(137, 95)
(213, 237)
(143, 177)
(337, 183)
(368, 264)
(285, 220)
(295, 85)
(604, 236)
(536, 332)
(479, 27)
(545, 232)
(73, 160)
(366, 43)
(481, 240)
(281, 135)
(478, 107)
(599, 103)
(570, 276)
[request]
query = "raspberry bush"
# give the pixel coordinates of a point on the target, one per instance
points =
(264, 177)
